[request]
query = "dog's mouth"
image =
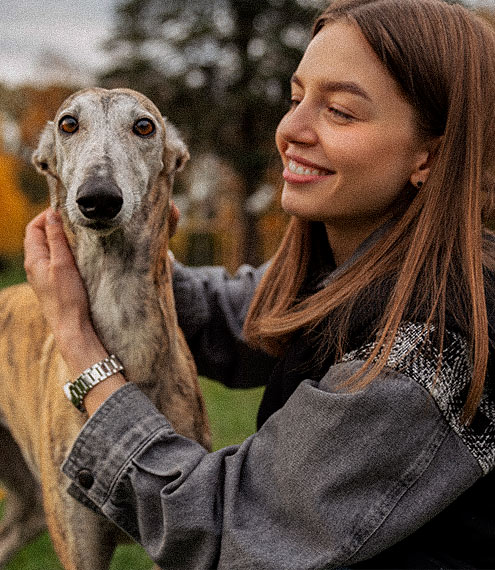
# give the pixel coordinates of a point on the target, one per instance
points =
(103, 227)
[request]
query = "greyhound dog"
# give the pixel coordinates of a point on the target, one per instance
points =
(110, 160)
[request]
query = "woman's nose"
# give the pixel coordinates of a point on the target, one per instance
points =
(299, 125)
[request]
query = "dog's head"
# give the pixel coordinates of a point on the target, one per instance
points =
(104, 154)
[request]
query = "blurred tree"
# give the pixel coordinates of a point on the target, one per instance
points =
(22, 191)
(7, 101)
(36, 106)
(39, 105)
(488, 13)
(220, 69)
(15, 209)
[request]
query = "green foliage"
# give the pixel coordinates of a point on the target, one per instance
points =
(32, 184)
(11, 271)
(38, 555)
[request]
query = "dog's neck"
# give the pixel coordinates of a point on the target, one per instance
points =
(123, 277)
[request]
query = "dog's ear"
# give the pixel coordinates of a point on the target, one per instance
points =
(45, 161)
(175, 153)
(44, 158)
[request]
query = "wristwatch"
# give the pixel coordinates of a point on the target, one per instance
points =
(75, 391)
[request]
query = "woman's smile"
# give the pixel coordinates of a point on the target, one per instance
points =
(302, 171)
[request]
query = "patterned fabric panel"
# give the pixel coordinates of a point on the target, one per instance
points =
(416, 357)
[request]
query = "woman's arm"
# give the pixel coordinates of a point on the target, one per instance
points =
(331, 479)
(211, 307)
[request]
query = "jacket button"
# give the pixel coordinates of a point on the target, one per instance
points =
(85, 478)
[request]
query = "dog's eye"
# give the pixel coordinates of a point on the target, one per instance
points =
(68, 124)
(143, 127)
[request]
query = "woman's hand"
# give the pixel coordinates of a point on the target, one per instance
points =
(52, 273)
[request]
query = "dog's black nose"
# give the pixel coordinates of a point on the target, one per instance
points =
(99, 199)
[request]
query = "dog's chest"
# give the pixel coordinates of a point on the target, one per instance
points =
(127, 317)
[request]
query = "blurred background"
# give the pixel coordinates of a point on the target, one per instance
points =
(218, 69)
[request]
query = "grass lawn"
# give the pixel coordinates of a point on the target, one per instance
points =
(11, 272)
(233, 418)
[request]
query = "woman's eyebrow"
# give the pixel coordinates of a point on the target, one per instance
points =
(335, 86)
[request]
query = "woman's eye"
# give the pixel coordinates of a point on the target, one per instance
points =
(294, 102)
(68, 124)
(340, 115)
(144, 127)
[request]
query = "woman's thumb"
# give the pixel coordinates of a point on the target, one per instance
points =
(55, 235)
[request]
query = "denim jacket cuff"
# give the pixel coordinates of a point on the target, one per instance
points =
(106, 445)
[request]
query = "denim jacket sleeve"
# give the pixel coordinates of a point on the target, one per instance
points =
(331, 479)
(211, 307)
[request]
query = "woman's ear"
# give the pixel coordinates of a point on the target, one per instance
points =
(424, 162)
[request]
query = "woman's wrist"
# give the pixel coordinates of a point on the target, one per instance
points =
(97, 395)
(80, 347)
(81, 351)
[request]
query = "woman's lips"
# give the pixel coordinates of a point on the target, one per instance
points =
(303, 172)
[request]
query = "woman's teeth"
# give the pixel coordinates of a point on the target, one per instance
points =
(303, 170)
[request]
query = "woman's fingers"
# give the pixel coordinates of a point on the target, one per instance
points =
(53, 274)
(55, 278)
(46, 249)
(60, 253)
(36, 248)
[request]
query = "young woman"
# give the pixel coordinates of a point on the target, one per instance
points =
(376, 438)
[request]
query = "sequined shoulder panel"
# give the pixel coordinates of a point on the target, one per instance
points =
(416, 357)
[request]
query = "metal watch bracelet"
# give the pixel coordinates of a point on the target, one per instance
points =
(75, 391)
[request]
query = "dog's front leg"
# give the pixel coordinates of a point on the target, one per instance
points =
(23, 519)
(82, 539)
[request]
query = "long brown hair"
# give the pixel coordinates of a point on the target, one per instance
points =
(443, 58)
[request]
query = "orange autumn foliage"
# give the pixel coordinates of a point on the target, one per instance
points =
(15, 209)
(39, 106)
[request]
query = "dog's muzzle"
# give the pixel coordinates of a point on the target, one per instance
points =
(99, 199)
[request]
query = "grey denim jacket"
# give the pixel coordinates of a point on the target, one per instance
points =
(331, 479)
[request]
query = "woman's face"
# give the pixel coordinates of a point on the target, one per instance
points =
(349, 142)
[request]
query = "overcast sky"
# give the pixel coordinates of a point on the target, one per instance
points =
(71, 29)
(68, 28)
